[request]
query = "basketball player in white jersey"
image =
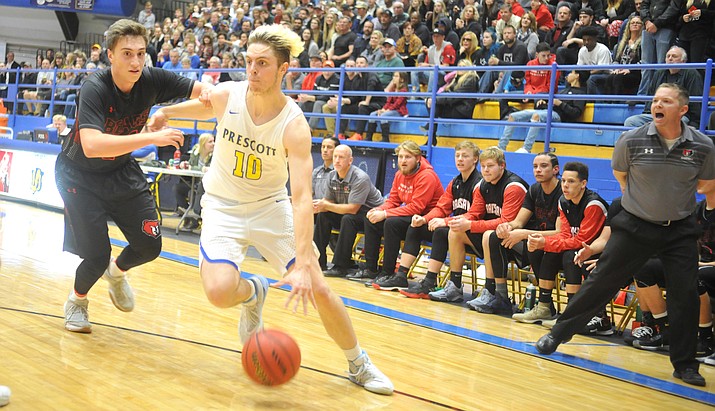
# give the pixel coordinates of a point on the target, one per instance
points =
(260, 133)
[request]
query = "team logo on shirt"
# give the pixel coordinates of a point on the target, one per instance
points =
(151, 228)
(687, 152)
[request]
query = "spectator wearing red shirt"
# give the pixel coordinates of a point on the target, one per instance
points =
(416, 189)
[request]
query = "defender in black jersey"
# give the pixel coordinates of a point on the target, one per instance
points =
(538, 213)
(97, 178)
(582, 213)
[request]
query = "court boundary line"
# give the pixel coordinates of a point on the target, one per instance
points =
(606, 370)
(221, 348)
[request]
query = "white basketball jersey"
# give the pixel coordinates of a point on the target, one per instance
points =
(249, 161)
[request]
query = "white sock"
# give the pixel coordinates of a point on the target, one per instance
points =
(74, 297)
(661, 315)
(114, 271)
(353, 354)
(252, 300)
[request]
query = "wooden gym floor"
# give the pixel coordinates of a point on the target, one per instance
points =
(176, 351)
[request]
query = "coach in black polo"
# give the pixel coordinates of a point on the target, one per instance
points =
(659, 166)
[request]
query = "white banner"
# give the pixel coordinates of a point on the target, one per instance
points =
(29, 176)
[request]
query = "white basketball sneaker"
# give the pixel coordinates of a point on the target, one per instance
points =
(119, 290)
(76, 316)
(368, 376)
(252, 310)
(4, 395)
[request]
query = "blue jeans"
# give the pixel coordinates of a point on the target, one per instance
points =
(524, 116)
(654, 47)
(388, 113)
(422, 77)
(70, 110)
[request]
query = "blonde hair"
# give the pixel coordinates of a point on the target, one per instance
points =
(123, 28)
(59, 117)
(409, 146)
(474, 46)
(468, 146)
(203, 138)
(493, 153)
(284, 42)
(626, 38)
(690, 3)
(463, 76)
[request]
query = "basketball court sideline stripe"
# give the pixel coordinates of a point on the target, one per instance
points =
(218, 347)
(657, 384)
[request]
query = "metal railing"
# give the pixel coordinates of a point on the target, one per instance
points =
(704, 99)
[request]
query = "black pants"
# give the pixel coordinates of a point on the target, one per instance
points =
(551, 263)
(348, 224)
(501, 255)
(365, 110)
(347, 109)
(395, 230)
(633, 241)
(90, 200)
(439, 238)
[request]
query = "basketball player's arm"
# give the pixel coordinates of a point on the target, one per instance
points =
(300, 162)
(96, 144)
(210, 102)
(596, 247)
(513, 199)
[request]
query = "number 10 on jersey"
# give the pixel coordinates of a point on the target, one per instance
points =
(247, 166)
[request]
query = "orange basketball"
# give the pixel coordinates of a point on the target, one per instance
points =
(271, 357)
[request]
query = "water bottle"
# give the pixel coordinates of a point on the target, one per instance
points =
(177, 158)
(529, 297)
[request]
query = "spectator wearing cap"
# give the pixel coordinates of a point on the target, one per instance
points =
(347, 11)
(363, 40)
(360, 19)
(327, 81)
(387, 27)
(399, 17)
(441, 53)
(594, 53)
(568, 52)
(343, 44)
(146, 18)
(595, 5)
(450, 35)
(101, 56)
(391, 60)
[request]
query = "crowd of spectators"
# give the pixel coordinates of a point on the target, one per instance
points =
(212, 35)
